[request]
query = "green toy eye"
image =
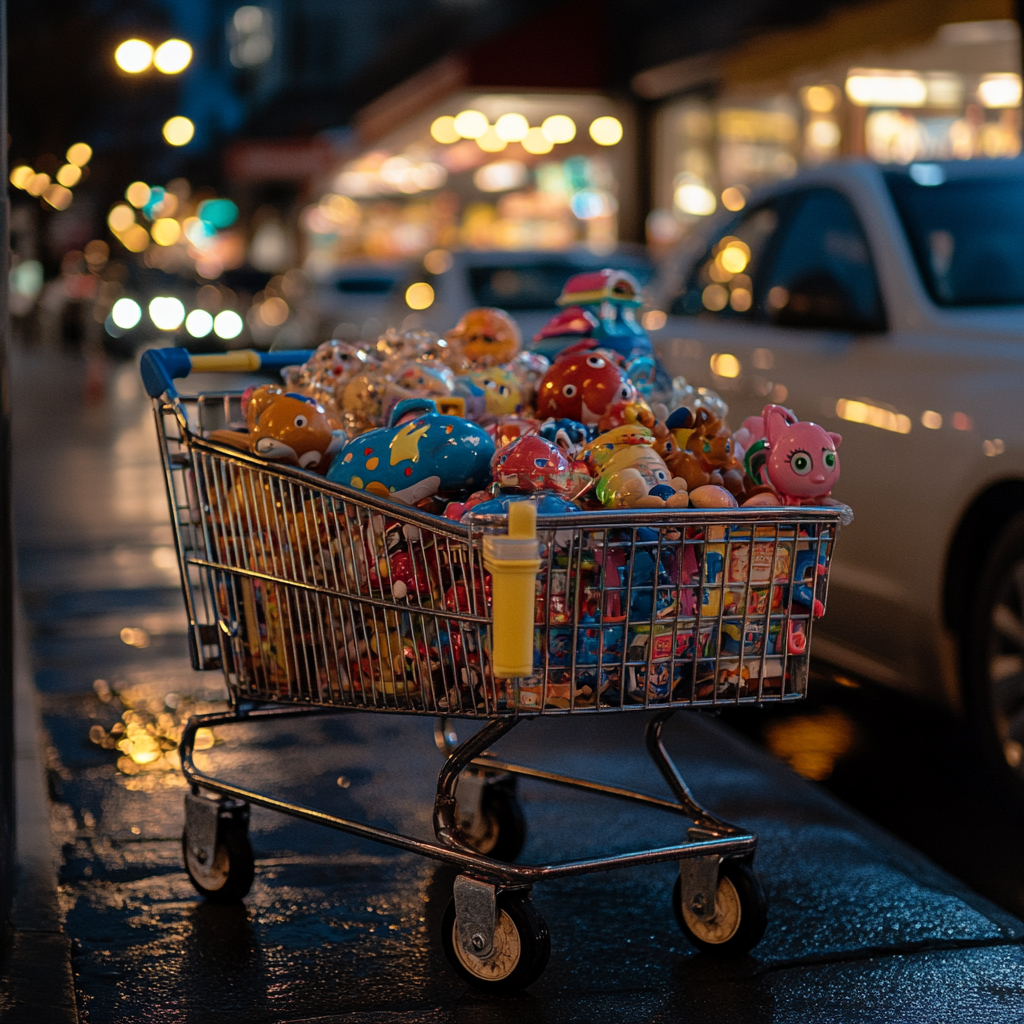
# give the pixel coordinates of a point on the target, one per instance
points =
(830, 460)
(801, 463)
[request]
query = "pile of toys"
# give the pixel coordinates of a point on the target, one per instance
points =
(464, 425)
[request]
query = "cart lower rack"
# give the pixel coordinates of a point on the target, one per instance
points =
(313, 598)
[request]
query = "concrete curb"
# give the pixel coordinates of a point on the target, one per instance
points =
(39, 981)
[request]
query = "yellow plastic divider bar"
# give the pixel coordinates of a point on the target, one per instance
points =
(244, 360)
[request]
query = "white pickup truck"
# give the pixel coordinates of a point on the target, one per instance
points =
(887, 303)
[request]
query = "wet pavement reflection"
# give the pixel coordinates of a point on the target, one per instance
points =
(861, 926)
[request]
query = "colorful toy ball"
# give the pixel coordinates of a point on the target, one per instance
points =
(487, 336)
(532, 464)
(582, 384)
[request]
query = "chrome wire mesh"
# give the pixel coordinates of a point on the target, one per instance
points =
(306, 592)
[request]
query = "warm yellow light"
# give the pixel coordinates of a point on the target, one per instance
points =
(443, 130)
(21, 176)
(470, 124)
(419, 295)
(819, 99)
(606, 131)
(1003, 90)
(79, 154)
(724, 364)
(734, 259)
(931, 419)
(872, 416)
(165, 231)
(69, 175)
(274, 311)
(491, 142)
(37, 184)
(58, 196)
(138, 193)
(653, 320)
(512, 127)
(559, 128)
(133, 56)
(120, 218)
(733, 199)
(135, 239)
(536, 142)
(173, 56)
(695, 199)
(714, 297)
(740, 299)
(877, 88)
(438, 261)
(178, 131)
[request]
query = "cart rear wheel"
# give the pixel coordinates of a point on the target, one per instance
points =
(499, 830)
(522, 946)
(229, 876)
(741, 913)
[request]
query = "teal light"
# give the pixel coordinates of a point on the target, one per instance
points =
(218, 213)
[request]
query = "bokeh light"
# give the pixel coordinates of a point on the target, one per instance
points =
(733, 199)
(166, 312)
(559, 128)
(126, 314)
(79, 154)
(227, 324)
(443, 130)
(133, 56)
(37, 184)
(606, 131)
(135, 239)
(511, 127)
(173, 56)
(199, 323)
(274, 311)
(165, 231)
(470, 124)
(69, 175)
(178, 131)
(120, 218)
(218, 213)
(491, 141)
(58, 196)
(137, 193)
(536, 142)
(419, 295)
(21, 176)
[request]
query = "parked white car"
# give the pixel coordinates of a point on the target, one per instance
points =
(888, 304)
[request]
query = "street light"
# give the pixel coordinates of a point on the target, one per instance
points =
(178, 131)
(173, 56)
(134, 56)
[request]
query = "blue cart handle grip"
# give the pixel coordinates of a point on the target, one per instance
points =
(160, 366)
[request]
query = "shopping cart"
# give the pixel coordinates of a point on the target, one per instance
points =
(314, 598)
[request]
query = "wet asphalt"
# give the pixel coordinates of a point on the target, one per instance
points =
(862, 927)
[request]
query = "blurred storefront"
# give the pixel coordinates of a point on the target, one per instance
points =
(889, 81)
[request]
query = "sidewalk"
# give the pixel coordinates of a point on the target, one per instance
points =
(861, 927)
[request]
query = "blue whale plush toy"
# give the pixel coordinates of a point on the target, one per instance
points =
(417, 455)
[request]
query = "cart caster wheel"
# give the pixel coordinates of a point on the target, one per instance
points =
(499, 830)
(522, 946)
(229, 876)
(742, 913)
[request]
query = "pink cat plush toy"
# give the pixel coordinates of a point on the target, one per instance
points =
(799, 460)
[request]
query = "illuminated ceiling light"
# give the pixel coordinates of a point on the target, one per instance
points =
(69, 175)
(126, 314)
(166, 312)
(120, 218)
(165, 231)
(173, 56)
(58, 196)
(512, 127)
(199, 323)
(733, 199)
(138, 193)
(178, 131)
(868, 87)
(470, 124)
(133, 56)
(135, 239)
(21, 176)
(558, 128)
(536, 142)
(419, 295)
(997, 91)
(819, 99)
(79, 154)
(443, 130)
(606, 131)
(695, 199)
(491, 141)
(37, 184)
(227, 324)
(724, 364)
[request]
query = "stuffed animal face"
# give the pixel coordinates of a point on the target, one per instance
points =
(291, 428)
(803, 464)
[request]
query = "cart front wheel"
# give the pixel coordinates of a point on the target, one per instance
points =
(522, 946)
(499, 830)
(228, 877)
(741, 913)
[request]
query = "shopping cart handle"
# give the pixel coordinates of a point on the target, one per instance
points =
(160, 366)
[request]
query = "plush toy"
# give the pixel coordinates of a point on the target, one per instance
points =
(582, 384)
(286, 427)
(486, 336)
